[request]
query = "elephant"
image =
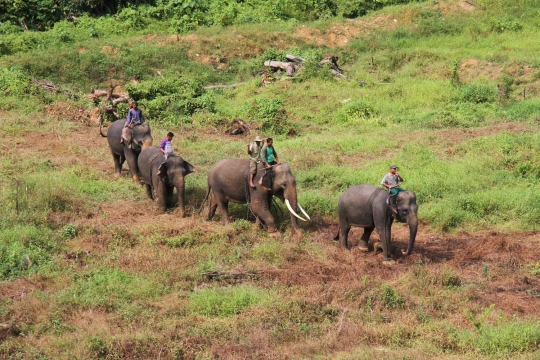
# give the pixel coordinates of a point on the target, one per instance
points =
(142, 139)
(163, 176)
(366, 206)
(228, 181)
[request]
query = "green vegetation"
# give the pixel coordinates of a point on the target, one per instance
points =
(448, 90)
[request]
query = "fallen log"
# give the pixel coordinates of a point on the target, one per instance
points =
(289, 67)
(239, 127)
(293, 58)
(49, 86)
(231, 275)
(232, 86)
(95, 93)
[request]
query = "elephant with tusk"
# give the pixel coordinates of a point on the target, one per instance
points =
(227, 181)
(366, 206)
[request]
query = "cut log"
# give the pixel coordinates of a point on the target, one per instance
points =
(121, 99)
(49, 86)
(231, 275)
(294, 59)
(277, 64)
(95, 93)
(239, 127)
(232, 86)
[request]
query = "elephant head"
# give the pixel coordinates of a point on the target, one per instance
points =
(282, 184)
(408, 213)
(142, 138)
(172, 172)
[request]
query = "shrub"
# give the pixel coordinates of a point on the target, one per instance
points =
(14, 83)
(25, 247)
(477, 93)
(271, 114)
(355, 112)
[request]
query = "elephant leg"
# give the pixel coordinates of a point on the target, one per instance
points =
(261, 210)
(363, 244)
(385, 235)
(149, 192)
(117, 164)
(161, 193)
(212, 206)
(132, 163)
(224, 210)
(344, 229)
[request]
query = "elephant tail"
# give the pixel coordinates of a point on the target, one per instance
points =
(205, 198)
(336, 238)
(101, 126)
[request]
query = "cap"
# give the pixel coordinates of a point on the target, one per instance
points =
(258, 138)
(393, 166)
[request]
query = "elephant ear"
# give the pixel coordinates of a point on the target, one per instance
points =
(188, 167)
(267, 179)
(162, 170)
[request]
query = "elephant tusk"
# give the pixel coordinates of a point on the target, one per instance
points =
(303, 212)
(292, 211)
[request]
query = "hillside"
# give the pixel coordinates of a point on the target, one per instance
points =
(448, 90)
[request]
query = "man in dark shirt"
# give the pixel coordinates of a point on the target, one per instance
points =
(391, 182)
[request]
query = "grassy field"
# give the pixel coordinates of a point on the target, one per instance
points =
(448, 90)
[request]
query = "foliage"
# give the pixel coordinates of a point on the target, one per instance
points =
(271, 114)
(171, 97)
(25, 248)
(14, 82)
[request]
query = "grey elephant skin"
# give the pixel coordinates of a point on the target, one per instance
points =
(365, 206)
(142, 138)
(163, 177)
(227, 182)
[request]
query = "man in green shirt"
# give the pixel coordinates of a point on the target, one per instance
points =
(269, 154)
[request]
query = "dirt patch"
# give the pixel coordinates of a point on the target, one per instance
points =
(61, 110)
(450, 7)
(473, 69)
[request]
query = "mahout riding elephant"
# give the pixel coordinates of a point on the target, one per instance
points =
(163, 177)
(366, 206)
(142, 138)
(228, 181)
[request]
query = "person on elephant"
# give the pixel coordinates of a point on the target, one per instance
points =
(270, 156)
(254, 151)
(391, 182)
(134, 117)
(166, 146)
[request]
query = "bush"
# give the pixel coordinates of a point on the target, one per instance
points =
(355, 112)
(477, 93)
(14, 83)
(25, 247)
(271, 114)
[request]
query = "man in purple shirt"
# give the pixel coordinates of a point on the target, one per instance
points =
(166, 146)
(134, 117)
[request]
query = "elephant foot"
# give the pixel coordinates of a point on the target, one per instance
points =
(377, 246)
(389, 262)
(363, 246)
(117, 175)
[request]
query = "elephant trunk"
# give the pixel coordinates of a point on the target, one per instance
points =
(179, 184)
(412, 221)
